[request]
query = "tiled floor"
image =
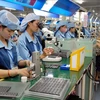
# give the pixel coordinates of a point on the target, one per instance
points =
(97, 93)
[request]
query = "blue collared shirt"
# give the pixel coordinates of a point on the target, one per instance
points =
(22, 45)
(87, 33)
(70, 35)
(58, 34)
(8, 48)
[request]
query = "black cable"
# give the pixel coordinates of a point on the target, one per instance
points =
(90, 76)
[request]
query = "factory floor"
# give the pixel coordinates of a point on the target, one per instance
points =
(97, 93)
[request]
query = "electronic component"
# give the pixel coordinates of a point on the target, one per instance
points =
(31, 68)
(12, 89)
(52, 59)
(36, 63)
(52, 64)
(49, 87)
(4, 88)
(8, 94)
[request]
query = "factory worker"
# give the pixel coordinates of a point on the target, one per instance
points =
(41, 38)
(28, 42)
(61, 29)
(9, 57)
(87, 33)
(71, 33)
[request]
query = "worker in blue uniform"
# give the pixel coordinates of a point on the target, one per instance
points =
(9, 56)
(61, 29)
(71, 33)
(28, 42)
(87, 33)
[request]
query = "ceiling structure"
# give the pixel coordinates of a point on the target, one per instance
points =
(90, 5)
(19, 13)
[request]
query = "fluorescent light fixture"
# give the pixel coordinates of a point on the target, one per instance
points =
(9, 8)
(23, 15)
(44, 13)
(93, 11)
(48, 5)
(78, 1)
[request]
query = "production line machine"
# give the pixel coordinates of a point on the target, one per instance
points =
(74, 44)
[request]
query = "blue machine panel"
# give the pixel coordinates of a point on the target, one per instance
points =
(29, 3)
(61, 7)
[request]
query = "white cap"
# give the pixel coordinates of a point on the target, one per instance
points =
(28, 18)
(23, 79)
(9, 20)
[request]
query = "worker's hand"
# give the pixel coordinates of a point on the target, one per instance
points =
(24, 72)
(98, 44)
(15, 39)
(48, 51)
(28, 63)
(98, 41)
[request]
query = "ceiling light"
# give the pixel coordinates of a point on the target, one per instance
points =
(49, 4)
(23, 15)
(93, 11)
(10, 8)
(78, 1)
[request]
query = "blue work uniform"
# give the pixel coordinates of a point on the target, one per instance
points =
(26, 46)
(87, 33)
(9, 56)
(70, 35)
(59, 34)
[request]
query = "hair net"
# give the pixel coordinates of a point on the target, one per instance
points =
(61, 23)
(28, 18)
(70, 25)
(9, 20)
